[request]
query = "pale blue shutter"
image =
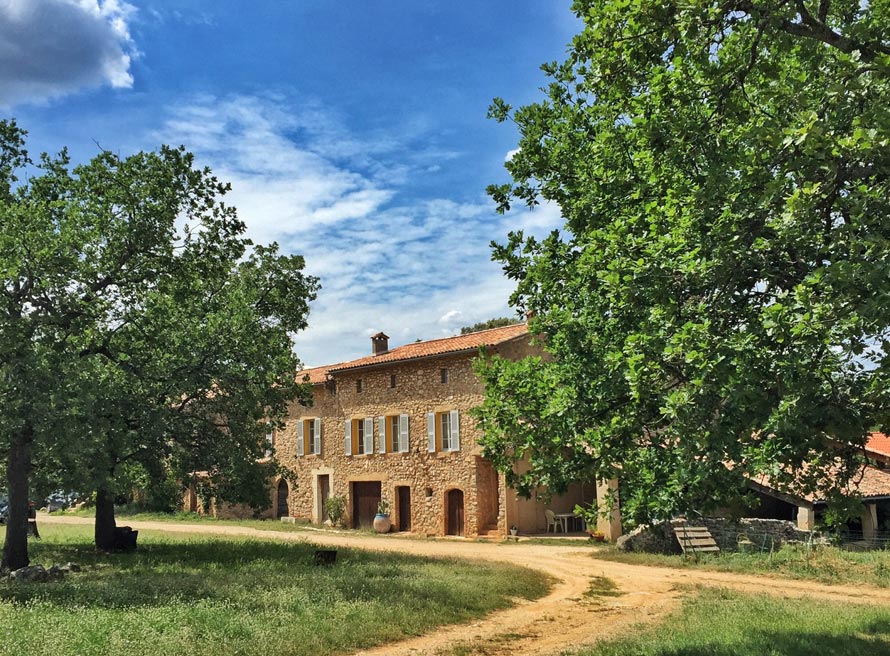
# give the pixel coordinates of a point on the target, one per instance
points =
(369, 435)
(431, 431)
(455, 431)
(317, 449)
(403, 433)
(300, 444)
(381, 439)
(348, 442)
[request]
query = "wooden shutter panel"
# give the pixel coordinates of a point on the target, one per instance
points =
(317, 450)
(369, 435)
(348, 441)
(431, 431)
(455, 431)
(300, 445)
(381, 438)
(403, 433)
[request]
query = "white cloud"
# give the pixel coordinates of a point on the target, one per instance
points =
(282, 187)
(413, 268)
(50, 48)
(450, 317)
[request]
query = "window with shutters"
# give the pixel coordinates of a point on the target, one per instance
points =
(392, 434)
(443, 431)
(270, 442)
(359, 436)
(309, 436)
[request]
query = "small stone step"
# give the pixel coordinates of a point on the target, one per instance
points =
(490, 532)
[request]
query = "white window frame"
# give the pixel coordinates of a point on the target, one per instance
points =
(314, 426)
(270, 441)
(444, 426)
(443, 431)
(360, 437)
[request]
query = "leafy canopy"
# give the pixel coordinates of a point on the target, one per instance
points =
(497, 322)
(717, 303)
(139, 327)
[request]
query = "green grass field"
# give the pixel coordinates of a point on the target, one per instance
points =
(190, 594)
(720, 623)
(824, 564)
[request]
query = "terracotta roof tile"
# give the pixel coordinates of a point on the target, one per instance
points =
(316, 375)
(878, 443)
(415, 350)
(873, 482)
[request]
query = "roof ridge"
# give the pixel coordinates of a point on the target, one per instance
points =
(437, 346)
(442, 339)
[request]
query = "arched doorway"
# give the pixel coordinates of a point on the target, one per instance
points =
(454, 512)
(283, 491)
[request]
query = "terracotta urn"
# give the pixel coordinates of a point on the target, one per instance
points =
(382, 523)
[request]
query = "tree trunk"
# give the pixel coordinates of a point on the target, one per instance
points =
(105, 523)
(18, 467)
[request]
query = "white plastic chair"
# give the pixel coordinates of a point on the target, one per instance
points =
(552, 521)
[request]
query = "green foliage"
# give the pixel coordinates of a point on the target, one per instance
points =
(189, 594)
(719, 291)
(498, 322)
(383, 507)
(139, 325)
(724, 623)
(335, 507)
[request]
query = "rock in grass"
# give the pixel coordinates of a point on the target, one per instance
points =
(32, 574)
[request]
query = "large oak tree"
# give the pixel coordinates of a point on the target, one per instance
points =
(717, 304)
(138, 325)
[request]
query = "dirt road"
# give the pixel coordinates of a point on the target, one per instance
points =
(565, 618)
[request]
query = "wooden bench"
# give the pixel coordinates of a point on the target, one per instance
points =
(695, 539)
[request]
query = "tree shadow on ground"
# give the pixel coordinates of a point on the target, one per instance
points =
(157, 574)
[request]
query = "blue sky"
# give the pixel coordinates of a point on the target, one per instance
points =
(354, 133)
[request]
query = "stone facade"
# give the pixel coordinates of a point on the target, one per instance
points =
(432, 493)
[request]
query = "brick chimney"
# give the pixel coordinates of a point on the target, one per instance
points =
(379, 344)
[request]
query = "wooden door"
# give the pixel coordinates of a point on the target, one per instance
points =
(404, 509)
(283, 491)
(324, 491)
(365, 497)
(455, 512)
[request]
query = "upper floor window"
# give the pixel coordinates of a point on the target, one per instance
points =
(392, 381)
(392, 434)
(309, 436)
(359, 436)
(443, 375)
(358, 386)
(443, 431)
(270, 441)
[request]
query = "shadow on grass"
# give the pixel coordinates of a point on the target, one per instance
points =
(255, 576)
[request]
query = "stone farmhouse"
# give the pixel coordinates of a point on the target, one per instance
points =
(396, 426)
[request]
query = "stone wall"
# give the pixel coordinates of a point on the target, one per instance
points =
(191, 502)
(764, 534)
(418, 390)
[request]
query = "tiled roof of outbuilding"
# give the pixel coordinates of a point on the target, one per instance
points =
(872, 482)
(878, 443)
(417, 350)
